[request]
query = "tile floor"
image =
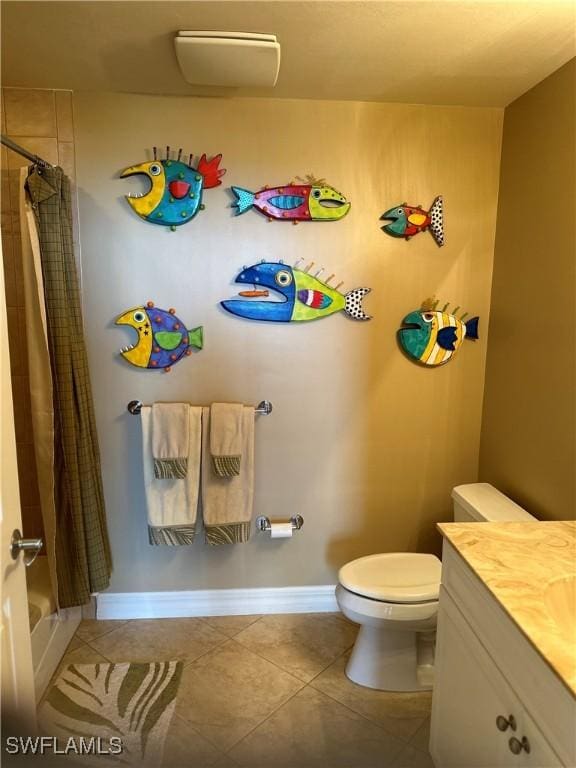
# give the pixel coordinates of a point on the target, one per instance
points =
(261, 691)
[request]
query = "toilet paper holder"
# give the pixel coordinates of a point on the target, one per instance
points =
(264, 523)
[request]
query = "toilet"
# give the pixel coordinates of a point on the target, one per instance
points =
(394, 599)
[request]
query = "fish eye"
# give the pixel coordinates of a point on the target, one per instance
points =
(155, 169)
(400, 211)
(139, 317)
(428, 316)
(283, 278)
(316, 193)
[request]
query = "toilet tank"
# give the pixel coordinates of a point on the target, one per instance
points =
(481, 502)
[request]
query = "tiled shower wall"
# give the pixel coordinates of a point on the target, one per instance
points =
(40, 121)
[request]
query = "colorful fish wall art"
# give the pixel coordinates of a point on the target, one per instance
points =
(432, 337)
(163, 339)
(301, 296)
(408, 220)
(311, 200)
(175, 194)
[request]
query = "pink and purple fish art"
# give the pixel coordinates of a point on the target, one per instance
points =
(313, 200)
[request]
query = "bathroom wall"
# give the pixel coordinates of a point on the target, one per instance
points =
(364, 443)
(40, 121)
(528, 448)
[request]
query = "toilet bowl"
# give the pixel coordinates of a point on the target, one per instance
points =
(394, 598)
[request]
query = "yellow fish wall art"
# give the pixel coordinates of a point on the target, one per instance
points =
(176, 188)
(432, 337)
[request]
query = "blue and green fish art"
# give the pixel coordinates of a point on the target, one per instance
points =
(430, 336)
(163, 339)
(176, 188)
(311, 200)
(297, 295)
(408, 220)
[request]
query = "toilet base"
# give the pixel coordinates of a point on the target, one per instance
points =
(392, 660)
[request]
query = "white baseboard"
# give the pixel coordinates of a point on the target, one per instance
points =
(215, 602)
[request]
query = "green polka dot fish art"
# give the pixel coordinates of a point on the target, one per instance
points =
(163, 339)
(286, 294)
(175, 193)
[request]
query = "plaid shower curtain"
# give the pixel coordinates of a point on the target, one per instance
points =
(83, 558)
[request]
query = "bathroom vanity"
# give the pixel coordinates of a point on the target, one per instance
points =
(505, 690)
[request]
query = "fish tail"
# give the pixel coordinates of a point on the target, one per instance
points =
(353, 307)
(472, 328)
(196, 337)
(436, 214)
(244, 199)
(210, 171)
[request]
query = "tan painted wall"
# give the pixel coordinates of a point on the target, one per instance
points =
(363, 443)
(528, 444)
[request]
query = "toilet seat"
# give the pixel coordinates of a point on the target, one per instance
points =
(394, 577)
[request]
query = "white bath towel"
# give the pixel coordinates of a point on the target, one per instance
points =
(170, 440)
(172, 504)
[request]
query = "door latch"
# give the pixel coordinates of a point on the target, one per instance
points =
(18, 544)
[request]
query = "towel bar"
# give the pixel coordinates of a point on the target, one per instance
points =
(264, 408)
(263, 523)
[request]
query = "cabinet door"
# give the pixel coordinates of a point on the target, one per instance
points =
(469, 694)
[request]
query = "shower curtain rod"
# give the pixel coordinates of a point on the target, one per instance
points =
(24, 152)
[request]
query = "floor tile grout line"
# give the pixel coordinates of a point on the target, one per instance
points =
(59, 669)
(296, 679)
(245, 648)
(108, 661)
(220, 754)
(275, 711)
(224, 639)
(379, 725)
(344, 652)
(121, 623)
(282, 669)
(306, 682)
(403, 744)
(427, 751)
(205, 620)
(219, 644)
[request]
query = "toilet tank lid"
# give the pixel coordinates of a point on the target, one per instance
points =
(485, 503)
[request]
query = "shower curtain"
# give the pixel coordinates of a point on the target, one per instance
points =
(71, 489)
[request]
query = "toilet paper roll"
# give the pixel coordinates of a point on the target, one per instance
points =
(281, 530)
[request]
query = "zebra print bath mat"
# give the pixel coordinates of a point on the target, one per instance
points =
(112, 714)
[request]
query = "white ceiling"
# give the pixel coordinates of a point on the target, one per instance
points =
(478, 53)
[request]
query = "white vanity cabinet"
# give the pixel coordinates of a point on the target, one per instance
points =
(496, 703)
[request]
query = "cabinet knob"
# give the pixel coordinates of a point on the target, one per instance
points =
(503, 724)
(517, 746)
